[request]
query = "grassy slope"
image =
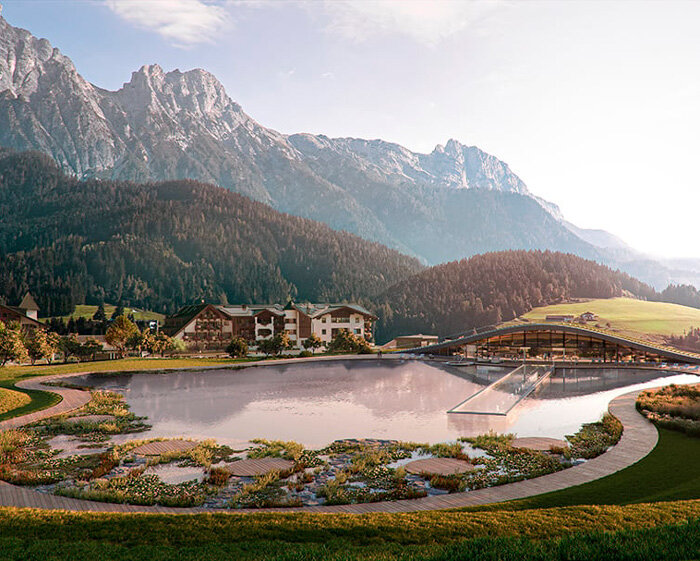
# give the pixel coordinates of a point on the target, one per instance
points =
(629, 316)
(10, 399)
(379, 536)
(85, 311)
(670, 472)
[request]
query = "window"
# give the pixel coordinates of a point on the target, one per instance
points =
(323, 331)
(358, 331)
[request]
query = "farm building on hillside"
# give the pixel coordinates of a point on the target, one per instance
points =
(566, 318)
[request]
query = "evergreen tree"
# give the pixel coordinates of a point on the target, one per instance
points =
(100, 316)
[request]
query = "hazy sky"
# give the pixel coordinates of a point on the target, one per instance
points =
(596, 105)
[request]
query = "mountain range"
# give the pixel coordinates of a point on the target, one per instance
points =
(454, 202)
(162, 245)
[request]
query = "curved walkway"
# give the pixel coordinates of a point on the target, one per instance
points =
(638, 439)
(70, 399)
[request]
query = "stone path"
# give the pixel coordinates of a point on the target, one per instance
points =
(251, 468)
(541, 443)
(439, 466)
(638, 439)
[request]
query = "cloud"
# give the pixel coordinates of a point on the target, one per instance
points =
(183, 23)
(428, 22)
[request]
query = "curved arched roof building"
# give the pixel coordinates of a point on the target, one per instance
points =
(564, 340)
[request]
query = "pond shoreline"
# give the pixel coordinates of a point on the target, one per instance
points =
(638, 439)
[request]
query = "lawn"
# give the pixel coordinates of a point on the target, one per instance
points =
(642, 531)
(11, 399)
(670, 472)
(629, 316)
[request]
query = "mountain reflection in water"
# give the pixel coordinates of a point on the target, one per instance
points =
(316, 403)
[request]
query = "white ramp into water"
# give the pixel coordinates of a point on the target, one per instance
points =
(505, 393)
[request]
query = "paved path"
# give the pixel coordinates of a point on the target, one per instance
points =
(638, 439)
(70, 399)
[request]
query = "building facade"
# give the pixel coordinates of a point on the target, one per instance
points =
(25, 314)
(210, 327)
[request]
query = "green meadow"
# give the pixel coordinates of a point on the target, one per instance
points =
(627, 315)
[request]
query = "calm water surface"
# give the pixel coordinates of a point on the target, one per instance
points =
(316, 403)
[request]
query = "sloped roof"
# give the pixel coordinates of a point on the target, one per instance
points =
(181, 318)
(28, 303)
(334, 307)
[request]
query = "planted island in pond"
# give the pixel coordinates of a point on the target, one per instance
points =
(73, 455)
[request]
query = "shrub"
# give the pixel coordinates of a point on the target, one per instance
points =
(451, 483)
(218, 476)
(237, 347)
(595, 438)
(289, 450)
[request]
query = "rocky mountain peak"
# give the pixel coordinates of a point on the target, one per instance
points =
(28, 64)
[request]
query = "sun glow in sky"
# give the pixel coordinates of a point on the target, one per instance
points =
(594, 104)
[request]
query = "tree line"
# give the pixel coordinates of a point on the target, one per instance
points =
(162, 245)
(487, 289)
(21, 345)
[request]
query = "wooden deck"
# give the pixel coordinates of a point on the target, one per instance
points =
(439, 466)
(638, 439)
(261, 466)
(164, 446)
(540, 443)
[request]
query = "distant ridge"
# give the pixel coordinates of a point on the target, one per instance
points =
(453, 202)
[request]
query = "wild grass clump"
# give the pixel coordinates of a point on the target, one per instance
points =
(673, 400)
(102, 402)
(593, 439)
(286, 449)
(265, 491)
(673, 407)
(218, 476)
(447, 450)
(451, 483)
(11, 443)
(490, 441)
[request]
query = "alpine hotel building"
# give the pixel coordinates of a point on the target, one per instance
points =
(210, 326)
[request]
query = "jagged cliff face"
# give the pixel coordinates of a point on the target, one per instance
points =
(46, 105)
(450, 203)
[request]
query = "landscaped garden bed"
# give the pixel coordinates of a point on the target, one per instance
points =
(74, 455)
(673, 407)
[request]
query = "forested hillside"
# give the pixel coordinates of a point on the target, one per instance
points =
(161, 245)
(494, 287)
(683, 294)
